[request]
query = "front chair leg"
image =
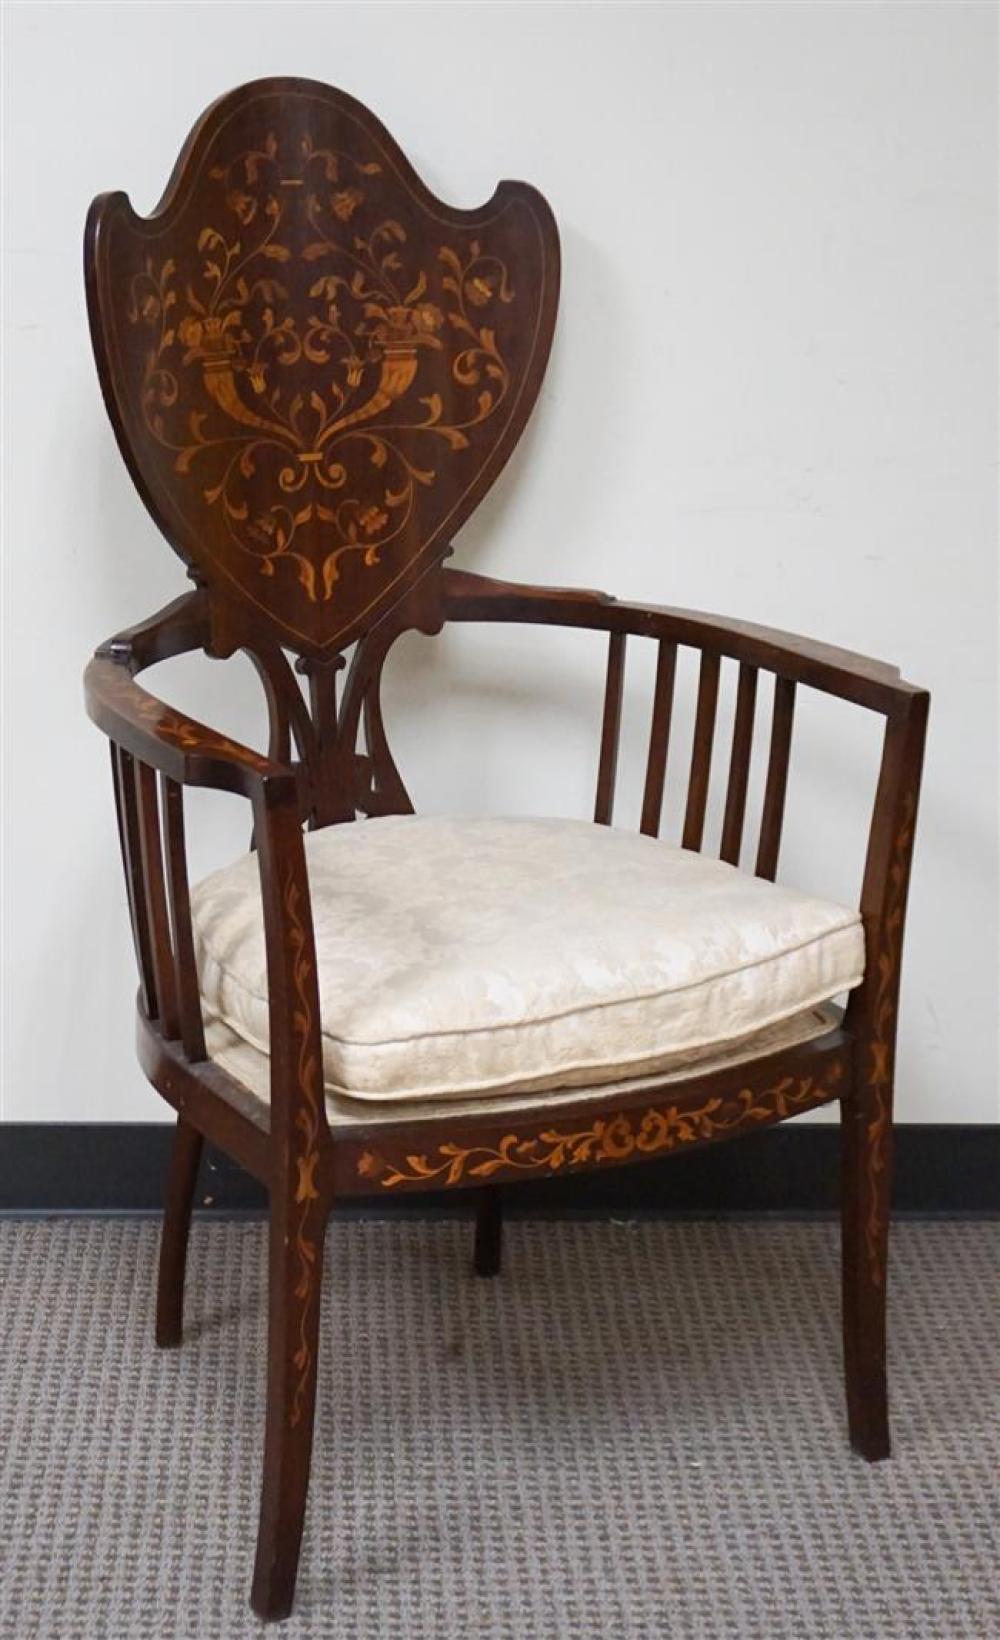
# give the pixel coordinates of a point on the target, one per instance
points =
(489, 1232)
(296, 1235)
(181, 1180)
(867, 1179)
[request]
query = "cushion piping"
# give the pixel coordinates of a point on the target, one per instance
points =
(853, 920)
(516, 1084)
(561, 1092)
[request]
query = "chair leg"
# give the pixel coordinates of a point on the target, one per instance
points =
(866, 1123)
(181, 1180)
(489, 1231)
(296, 1235)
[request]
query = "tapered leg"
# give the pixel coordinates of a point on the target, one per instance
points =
(489, 1233)
(181, 1181)
(296, 1236)
(867, 1181)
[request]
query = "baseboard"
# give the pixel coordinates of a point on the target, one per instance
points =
(792, 1170)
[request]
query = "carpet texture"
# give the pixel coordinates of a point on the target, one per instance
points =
(635, 1432)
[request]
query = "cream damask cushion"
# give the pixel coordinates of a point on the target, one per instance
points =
(464, 956)
(251, 1070)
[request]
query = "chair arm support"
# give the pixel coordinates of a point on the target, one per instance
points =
(840, 672)
(179, 747)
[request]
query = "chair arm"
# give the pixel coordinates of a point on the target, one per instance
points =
(872, 1009)
(793, 659)
(836, 671)
(179, 747)
(187, 753)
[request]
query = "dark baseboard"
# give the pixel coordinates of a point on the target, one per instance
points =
(792, 1170)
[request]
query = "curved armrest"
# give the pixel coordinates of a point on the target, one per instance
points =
(851, 677)
(162, 737)
(823, 666)
(186, 752)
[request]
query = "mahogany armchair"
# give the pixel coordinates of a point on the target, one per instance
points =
(315, 370)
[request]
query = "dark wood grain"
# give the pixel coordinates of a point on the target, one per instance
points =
(701, 751)
(868, 1104)
(166, 740)
(127, 810)
(298, 1205)
(207, 1097)
(773, 814)
(488, 1244)
(186, 989)
(155, 898)
(659, 738)
(840, 672)
(181, 1181)
(611, 723)
(739, 766)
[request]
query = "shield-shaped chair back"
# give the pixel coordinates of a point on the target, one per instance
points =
(314, 368)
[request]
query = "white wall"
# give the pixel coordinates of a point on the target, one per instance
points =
(773, 394)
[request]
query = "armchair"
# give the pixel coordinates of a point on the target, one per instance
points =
(315, 370)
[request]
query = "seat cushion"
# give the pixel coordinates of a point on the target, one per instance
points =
(460, 956)
(250, 1070)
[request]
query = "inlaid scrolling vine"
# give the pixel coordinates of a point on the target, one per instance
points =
(305, 1139)
(119, 689)
(310, 419)
(616, 1138)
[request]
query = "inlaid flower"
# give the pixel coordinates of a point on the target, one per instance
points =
(408, 324)
(365, 331)
(266, 531)
(211, 337)
(427, 318)
(345, 202)
(480, 288)
(242, 205)
(190, 332)
(372, 520)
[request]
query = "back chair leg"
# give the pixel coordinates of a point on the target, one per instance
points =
(867, 1180)
(297, 1233)
(181, 1180)
(489, 1233)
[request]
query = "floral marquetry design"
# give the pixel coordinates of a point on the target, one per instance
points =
(623, 1136)
(119, 691)
(306, 1140)
(320, 367)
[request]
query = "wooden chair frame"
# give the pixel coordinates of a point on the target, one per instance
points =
(315, 773)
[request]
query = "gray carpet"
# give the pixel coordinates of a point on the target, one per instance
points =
(635, 1432)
